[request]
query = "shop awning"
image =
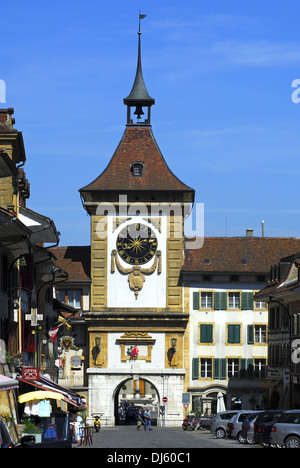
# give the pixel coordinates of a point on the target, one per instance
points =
(6, 383)
(47, 385)
(40, 395)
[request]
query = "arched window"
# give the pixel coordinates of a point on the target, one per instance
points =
(137, 169)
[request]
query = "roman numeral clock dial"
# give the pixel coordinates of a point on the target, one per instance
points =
(136, 244)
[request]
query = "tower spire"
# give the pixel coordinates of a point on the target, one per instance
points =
(139, 96)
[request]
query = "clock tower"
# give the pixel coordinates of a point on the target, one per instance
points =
(138, 319)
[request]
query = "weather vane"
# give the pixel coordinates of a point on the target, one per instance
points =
(141, 16)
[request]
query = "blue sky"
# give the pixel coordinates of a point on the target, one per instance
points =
(221, 74)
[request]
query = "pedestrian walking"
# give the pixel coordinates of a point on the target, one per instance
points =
(147, 419)
(139, 419)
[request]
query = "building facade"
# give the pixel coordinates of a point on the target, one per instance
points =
(164, 324)
(282, 295)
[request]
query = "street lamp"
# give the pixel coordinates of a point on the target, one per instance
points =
(173, 344)
(96, 349)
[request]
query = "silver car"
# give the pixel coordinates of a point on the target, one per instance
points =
(219, 423)
(286, 431)
(235, 424)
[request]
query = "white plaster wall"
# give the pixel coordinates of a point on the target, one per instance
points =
(153, 293)
(220, 318)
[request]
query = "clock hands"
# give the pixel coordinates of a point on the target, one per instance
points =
(136, 244)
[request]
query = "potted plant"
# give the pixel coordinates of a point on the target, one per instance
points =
(31, 429)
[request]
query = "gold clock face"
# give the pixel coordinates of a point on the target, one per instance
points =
(136, 244)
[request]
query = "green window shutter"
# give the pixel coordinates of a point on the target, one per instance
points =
(223, 369)
(250, 370)
(242, 368)
(206, 333)
(234, 332)
(247, 301)
(250, 301)
(220, 368)
(195, 301)
(223, 300)
(237, 333)
(216, 368)
(230, 336)
(244, 301)
(216, 300)
(195, 369)
(250, 334)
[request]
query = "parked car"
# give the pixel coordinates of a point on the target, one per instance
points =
(219, 423)
(266, 433)
(248, 427)
(263, 420)
(234, 425)
(285, 431)
(205, 422)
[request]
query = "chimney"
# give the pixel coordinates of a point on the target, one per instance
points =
(249, 232)
(263, 228)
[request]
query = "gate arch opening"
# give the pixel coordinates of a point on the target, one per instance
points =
(130, 394)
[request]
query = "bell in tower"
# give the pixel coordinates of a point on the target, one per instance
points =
(139, 96)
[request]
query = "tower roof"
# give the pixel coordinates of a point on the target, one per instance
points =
(139, 94)
(137, 146)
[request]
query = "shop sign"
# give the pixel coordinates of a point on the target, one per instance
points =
(30, 373)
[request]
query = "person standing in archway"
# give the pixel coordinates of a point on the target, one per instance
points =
(139, 419)
(147, 419)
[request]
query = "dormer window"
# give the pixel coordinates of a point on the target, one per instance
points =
(137, 169)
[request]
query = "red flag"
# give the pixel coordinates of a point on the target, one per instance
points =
(53, 332)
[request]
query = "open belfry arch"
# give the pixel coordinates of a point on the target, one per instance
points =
(137, 207)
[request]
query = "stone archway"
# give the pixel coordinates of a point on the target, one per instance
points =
(135, 391)
(105, 385)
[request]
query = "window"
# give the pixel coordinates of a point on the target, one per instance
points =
(233, 368)
(206, 300)
(71, 297)
(234, 300)
(61, 295)
(206, 368)
(137, 169)
(259, 368)
(260, 333)
(74, 298)
(260, 305)
(233, 334)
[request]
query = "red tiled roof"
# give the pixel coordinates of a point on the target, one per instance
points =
(75, 260)
(137, 145)
(239, 254)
